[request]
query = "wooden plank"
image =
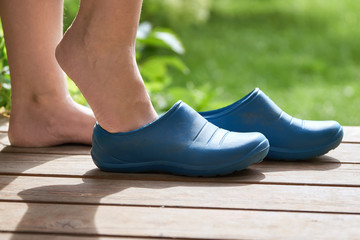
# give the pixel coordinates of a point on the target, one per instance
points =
(28, 236)
(310, 173)
(304, 172)
(351, 134)
(174, 222)
(345, 153)
(181, 194)
(4, 124)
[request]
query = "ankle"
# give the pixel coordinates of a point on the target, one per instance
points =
(39, 100)
(128, 117)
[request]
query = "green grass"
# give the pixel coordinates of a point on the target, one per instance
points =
(304, 54)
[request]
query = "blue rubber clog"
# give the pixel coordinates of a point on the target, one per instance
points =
(290, 138)
(180, 142)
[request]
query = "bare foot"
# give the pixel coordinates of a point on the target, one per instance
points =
(106, 72)
(47, 122)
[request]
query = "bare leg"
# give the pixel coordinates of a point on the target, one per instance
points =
(43, 113)
(98, 53)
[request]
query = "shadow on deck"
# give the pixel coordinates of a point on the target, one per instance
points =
(58, 193)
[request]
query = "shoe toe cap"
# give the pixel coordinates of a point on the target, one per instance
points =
(322, 132)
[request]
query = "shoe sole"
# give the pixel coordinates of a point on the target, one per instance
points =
(291, 155)
(102, 160)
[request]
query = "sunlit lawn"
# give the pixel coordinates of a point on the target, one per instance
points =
(305, 54)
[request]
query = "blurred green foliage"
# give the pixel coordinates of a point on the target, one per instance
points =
(171, 13)
(158, 50)
(303, 53)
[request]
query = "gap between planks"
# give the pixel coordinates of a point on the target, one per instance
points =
(313, 172)
(345, 153)
(160, 177)
(183, 207)
(12, 235)
(181, 195)
(349, 234)
(351, 136)
(170, 222)
(31, 165)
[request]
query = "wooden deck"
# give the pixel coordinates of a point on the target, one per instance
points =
(58, 193)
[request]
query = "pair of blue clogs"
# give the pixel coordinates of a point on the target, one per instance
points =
(217, 142)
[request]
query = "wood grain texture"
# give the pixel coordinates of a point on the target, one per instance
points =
(351, 134)
(303, 172)
(181, 194)
(345, 153)
(29, 236)
(58, 193)
(172, 222)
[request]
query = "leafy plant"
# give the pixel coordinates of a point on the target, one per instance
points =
(158, 51)
(154, 67)
(176, 12)
(71, 8)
